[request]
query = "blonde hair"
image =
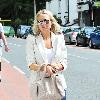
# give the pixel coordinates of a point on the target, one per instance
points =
(55, 27)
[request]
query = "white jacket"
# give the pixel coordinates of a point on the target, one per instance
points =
(36, 44)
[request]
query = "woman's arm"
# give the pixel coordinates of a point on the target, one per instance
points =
(63, 60)
(4, 41)
(62, 64)
(3, 38)
(30, 57)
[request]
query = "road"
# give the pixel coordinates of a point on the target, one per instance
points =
(82, 74)
(17, 54)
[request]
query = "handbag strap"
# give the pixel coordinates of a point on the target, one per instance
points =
(34, 49)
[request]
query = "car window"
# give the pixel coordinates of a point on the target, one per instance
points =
(76, 29)
(68, 30)
(89, 30)
(6, 27)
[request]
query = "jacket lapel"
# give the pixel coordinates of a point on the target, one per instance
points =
(54, 42)
(41, 45)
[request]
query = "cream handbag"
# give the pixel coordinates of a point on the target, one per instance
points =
(49, 88)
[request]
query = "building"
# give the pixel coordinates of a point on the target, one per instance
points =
(88, 12)
(96, 13)
(84, 13)
(66, 10)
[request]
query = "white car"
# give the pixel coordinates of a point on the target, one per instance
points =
(70, 35)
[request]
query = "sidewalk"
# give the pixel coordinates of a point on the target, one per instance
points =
(13, 85)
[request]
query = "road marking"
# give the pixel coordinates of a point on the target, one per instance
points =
(6, 60)
(9, 43)
(78, 56)
(18, 45)
(82, 48)
(98, 61)
(15, 44)
(83, 58)
(18, 69)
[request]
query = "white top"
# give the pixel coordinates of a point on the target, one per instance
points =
(49, 54)
(1, 30)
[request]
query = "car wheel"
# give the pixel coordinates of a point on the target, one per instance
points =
(24, 37)
(77, 44)
(17, 36)
(70, 40)
(91, 44)
(96, 47)
(13, 35)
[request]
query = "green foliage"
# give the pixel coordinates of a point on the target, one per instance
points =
(58, 19)
(41, 4)
(20, 11)
(30, 21)
(18, 21)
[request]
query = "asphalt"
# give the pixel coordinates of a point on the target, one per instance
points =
(14, 84)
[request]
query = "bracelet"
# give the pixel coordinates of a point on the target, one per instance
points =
(62, 66)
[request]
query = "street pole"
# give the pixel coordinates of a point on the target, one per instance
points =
(34, 8)
(68, 11)
(81, 20)
(92, 13)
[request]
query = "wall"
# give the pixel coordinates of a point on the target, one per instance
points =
(60, 8)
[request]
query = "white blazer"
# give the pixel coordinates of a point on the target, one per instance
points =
(35, 51)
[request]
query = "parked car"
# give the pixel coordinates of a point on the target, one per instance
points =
(27, 32)
(63, 29)
(94, 41)
(70, 35)
(83, 36)
(21, 30)
(9, 31)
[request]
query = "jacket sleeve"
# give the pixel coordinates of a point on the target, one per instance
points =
(30, 57)
(63, 57)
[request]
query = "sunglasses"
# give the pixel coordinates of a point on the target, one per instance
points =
(45, 21)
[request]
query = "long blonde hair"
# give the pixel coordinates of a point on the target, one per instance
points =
(55, 27)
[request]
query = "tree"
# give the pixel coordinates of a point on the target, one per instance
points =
(20, 9)
(9, 9)
(41, 4)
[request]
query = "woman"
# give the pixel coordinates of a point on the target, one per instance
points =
(47, 58)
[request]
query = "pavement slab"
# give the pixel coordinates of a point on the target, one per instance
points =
(13, 85)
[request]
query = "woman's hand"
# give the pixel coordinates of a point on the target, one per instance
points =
(50, 70)
(58, 67)
(6, 48)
